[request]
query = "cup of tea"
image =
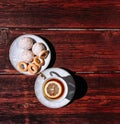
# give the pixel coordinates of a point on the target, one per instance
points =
(55, 87)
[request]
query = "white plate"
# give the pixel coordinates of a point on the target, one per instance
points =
(15, 52)
(61, 74)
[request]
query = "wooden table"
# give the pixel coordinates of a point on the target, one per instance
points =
(86, 39)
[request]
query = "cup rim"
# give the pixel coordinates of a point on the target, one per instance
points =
(64, 93)
(46, 74)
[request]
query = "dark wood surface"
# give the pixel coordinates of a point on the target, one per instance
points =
(52, 14)
(85, 36)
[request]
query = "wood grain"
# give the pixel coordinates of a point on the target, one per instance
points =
(61, 119)
(60, 14)
(85, 38)
(100, 101)
(85, 51)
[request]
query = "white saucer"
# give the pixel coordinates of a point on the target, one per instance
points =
(61, 74)
(15, 52)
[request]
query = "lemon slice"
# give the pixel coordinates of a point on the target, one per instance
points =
(53, 89)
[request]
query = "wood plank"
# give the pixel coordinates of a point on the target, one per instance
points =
(61, 119)
(79, 51)
(96, 93)
(97, 98)
(60, 14)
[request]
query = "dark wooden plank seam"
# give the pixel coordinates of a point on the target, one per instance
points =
(60, 29)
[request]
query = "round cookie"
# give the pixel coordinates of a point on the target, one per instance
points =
(27, 56)
(37, 48)
(26, 43)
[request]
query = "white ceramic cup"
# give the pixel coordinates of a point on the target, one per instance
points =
(64, 78)
(61, 83)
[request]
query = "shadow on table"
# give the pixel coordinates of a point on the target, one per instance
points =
(81, 85)
(53, 53)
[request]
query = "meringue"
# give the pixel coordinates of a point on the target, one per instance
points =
(27, 56)
(37, 48)
(26, 43)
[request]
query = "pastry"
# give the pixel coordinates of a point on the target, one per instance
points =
(26, 43)
(27, 56)
(38, 61)
(37, 48)
(32, 68)
(43, 54)
(22, 66)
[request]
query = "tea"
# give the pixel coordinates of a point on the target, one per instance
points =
(53, 89)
